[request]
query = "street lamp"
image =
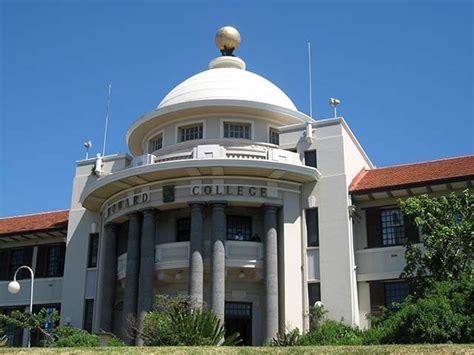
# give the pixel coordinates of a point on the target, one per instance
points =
(14, 288)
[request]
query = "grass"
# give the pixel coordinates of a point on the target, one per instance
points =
(376, 349)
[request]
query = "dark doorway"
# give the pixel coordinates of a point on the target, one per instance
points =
(238, 318)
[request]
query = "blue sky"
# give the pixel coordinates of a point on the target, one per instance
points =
(403, 70)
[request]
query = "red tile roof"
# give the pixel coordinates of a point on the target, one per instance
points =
(34, 222)
(400, 176)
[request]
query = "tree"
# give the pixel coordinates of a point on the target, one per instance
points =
(447, 226)
(33, 321)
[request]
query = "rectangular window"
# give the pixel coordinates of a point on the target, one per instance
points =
(314, 293)
(13, 334)
(88, 315)
(310, 158)
(237, 130)
(393, 227)
(239, 228)
(274, 136)
(55, 265)
(93, 249)
(395, 292)
(155, 143)
(16, 260)
(312, 227)
(189, 133)
(37, 338)
(183, 230)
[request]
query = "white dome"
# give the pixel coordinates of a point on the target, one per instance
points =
(227, 83)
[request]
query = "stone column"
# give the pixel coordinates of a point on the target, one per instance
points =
(147, 269)
(130, 297)
(109, 277)
(218, 259)
(196, 266)
(271, 272)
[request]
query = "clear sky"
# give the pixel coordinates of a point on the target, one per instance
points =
(403, 70)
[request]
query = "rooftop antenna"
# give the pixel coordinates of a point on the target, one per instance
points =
(309, 82)
(87, 145)
(333, 102)
(107, 119)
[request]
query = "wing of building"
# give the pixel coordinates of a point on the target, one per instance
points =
(234, 197)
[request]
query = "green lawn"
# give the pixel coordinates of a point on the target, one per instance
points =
(381, 349)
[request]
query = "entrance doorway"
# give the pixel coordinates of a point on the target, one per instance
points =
(238, 318)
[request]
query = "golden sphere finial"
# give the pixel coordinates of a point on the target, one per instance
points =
(227, 39)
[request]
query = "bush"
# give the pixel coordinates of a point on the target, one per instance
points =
(174, 322)
(331, 332)
(70, 337)
(444, 314)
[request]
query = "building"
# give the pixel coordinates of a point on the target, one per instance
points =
(234, 197)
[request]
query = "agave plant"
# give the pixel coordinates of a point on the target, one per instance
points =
(174, 322)
(291, 338)
(202, 327)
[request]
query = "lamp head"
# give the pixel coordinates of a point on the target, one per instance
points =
(333, 102)
(14, 287)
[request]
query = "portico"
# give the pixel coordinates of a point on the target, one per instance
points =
(214, 261)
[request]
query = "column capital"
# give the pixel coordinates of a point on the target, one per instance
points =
(134, 215)
(270, 207)
(200, 204)
(148, 212)
(218, 203)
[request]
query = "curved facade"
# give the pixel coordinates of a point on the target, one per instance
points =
(215, 202)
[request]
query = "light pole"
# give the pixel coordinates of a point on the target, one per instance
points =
(14, 288)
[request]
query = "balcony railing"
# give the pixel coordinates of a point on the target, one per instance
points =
(216, 151)
(380, 263)
(240, 254)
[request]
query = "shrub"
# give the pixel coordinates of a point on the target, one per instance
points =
(174, 322)
(70, 337)
(292, 338)
(316, 315)
(444, 314)
(114, 341)
(331, 332)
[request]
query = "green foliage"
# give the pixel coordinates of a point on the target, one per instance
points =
(3, 338)
(70, 337)
(447, 225)
(331, 332)
(316, 316)
(114, 341)
(446, 314)
(174, 322)
(292, 338)
(33, 321)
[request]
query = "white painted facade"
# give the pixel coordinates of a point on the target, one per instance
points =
(244, 173)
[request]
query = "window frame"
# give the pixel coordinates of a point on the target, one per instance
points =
(306, 211)
(178, 231)
(89, 251)
(403, 290)
(273, 130)
(229, 226)
(237, 122)
(61, 259)
(306, 163)
(393, 229)
(151, 140)
(187, 125)
(310, 285)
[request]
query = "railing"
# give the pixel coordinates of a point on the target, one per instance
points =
(176, 255)
(216, 151)
(380, 263)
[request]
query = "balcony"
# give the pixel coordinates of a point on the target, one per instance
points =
(239, 254)
(380, 263)
(259, 160)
